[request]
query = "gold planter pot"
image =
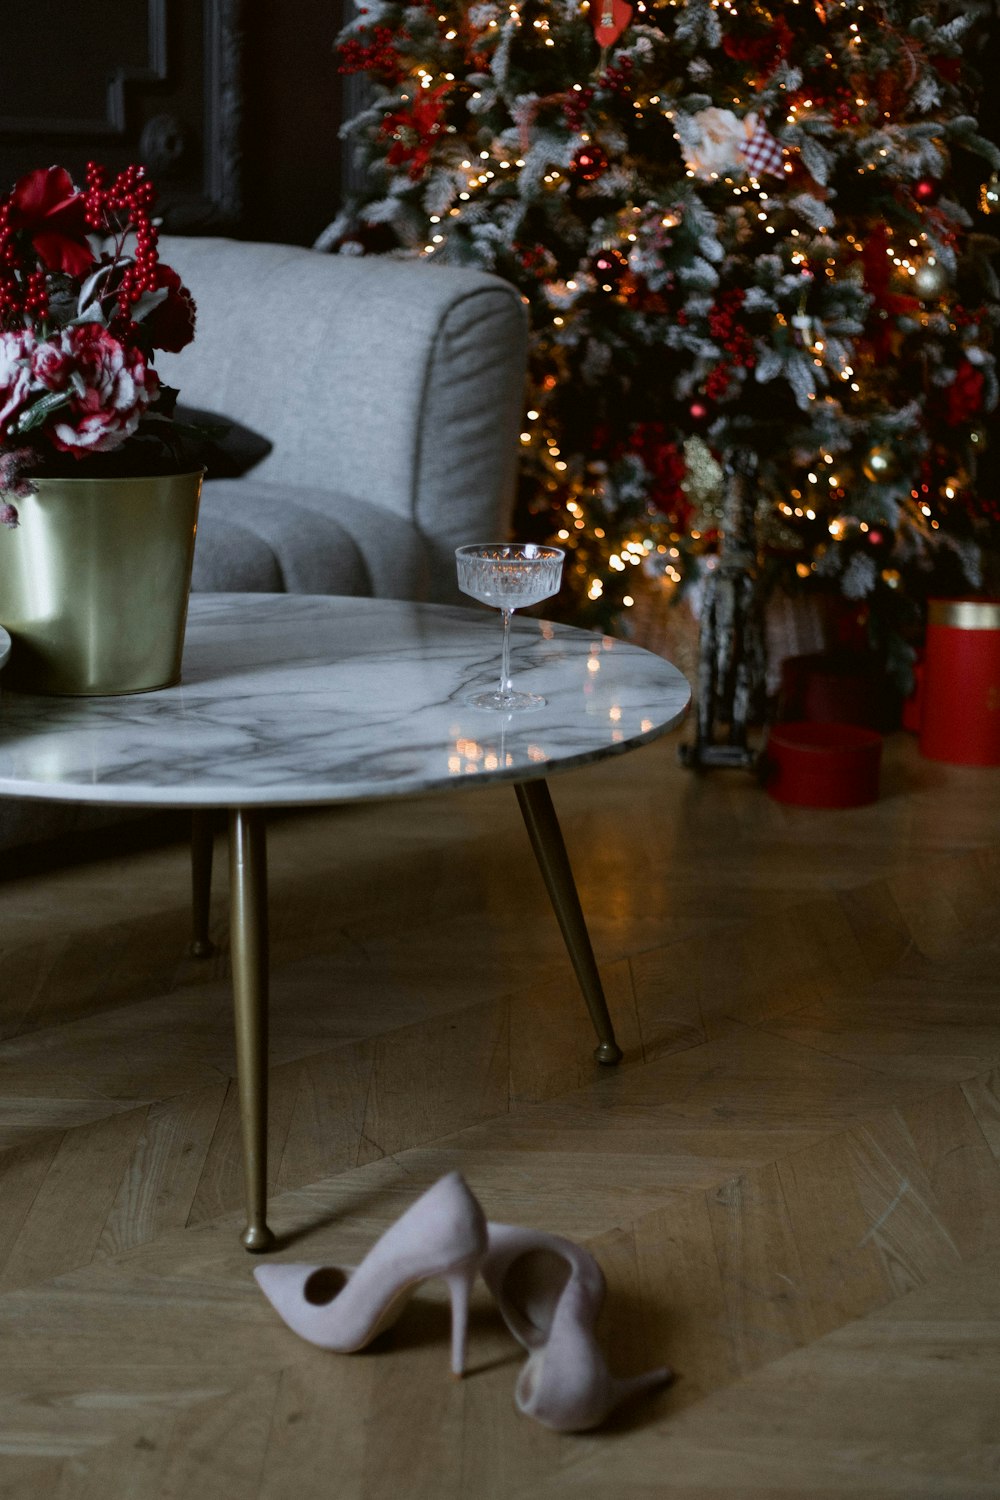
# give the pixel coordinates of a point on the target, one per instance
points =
(94, 584)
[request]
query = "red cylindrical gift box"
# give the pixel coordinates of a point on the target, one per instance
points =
(822, 765)
(961, 688)
(831, 687)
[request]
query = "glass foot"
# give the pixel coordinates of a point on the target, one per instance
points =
(506, 702)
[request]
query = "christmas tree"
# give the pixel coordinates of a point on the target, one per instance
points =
(738, 226)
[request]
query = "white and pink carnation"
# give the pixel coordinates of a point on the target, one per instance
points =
(16, 351)
(111, 384)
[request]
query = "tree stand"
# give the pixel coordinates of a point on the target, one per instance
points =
(730, 645)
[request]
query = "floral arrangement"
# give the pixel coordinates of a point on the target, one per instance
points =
(84, 303)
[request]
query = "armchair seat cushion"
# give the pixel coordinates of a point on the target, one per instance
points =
(269, 538)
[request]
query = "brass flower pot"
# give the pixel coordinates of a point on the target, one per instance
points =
(94, 584)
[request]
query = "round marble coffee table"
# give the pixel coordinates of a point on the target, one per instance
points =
(291, 700)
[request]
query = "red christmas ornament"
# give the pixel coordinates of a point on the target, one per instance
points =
(590, 162)
(925, 190)
(609, 19)
(762, 52)
(609, 266)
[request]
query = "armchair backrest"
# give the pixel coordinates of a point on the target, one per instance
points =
(396, 381)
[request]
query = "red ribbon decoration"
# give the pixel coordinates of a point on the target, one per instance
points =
(609, 19)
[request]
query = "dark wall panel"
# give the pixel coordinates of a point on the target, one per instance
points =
(156, 81)
(293, 105)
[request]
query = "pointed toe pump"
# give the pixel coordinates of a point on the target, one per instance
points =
(442, 1234)
(550, 1292)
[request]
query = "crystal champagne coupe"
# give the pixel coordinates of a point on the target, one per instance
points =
(508, 576)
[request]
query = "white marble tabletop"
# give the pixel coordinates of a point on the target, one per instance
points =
(290, 699)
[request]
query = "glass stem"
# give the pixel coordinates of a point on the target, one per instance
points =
(505, 684)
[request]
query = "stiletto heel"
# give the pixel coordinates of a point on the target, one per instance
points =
(442, 1234)
(459, 1283)
(550, 1292)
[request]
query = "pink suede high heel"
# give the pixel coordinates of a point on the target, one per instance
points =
(442, 1234)
(550, 1292)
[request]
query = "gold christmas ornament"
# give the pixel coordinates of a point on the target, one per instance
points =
(989, 195)
(930, 281)
(881, 464)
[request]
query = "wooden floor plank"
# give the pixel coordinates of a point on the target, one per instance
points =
(129, 1470)
(905, 1223)
(23, 1170)
(843, 1270)
(161, 1180)
(681, 1285)
(767, 1304)
(318, 1429)
(983, 1095)
(427, 1080)
(218, 1447)
(961, 1171)
(63, 1226)
(675, 987)
(327, 1121)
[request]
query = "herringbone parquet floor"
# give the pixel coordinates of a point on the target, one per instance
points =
(793, 1180)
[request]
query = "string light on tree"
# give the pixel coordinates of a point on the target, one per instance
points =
(733, 224)
(880, 464)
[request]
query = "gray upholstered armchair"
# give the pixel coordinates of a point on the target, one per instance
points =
(391, 392)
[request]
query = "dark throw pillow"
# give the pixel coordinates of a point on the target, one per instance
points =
(227, 449)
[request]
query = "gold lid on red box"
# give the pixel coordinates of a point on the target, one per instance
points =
(965, 614)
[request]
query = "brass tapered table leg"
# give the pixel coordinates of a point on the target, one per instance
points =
(202, 841)
(248, 948)
(550, 851)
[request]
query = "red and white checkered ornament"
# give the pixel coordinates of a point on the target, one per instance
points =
(762, 152)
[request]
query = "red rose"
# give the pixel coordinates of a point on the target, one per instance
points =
(170, 324)
(48, 206)
(112, 386)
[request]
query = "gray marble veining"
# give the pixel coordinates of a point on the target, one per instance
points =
(288, 700)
